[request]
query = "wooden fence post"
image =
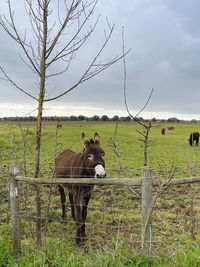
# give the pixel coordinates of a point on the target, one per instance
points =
(14, 207)
(146, 231)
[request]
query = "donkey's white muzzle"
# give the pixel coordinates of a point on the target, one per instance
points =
(100, 171)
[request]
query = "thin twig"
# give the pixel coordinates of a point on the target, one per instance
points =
(114, 146)
(146, 128)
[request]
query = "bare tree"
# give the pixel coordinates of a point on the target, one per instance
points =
(146, 127)
(59, 29)
(39, 55)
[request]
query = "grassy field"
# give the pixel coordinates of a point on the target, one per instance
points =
(172, 147)
(113, 222)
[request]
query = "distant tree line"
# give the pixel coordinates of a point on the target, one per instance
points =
(93, 118)
(69, 118)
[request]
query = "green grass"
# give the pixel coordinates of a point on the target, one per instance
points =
(61, 255)
(110, 207)
(163, 149)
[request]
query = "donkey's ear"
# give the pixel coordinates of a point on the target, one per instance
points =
(84, 137)
(85, 141)
(97, 139)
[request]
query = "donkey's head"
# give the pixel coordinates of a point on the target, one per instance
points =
(93, 157)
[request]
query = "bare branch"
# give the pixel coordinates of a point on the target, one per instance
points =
(145, 103)
(92, 69)
(12, 82)
(29, 66)
(125, 97)
(15, 36)
(114, 146)
(64, 24)
(146, 128)
(68, 48)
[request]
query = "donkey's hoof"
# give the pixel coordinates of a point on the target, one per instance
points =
(84, 236)
(78, 241)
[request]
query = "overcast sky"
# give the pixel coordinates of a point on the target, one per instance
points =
(164, 37)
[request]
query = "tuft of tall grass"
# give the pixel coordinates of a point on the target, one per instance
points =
(61, 254)
(5, 252)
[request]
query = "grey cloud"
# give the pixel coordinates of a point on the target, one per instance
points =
(165, 41)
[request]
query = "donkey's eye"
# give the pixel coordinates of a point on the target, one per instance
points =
(90, 156)
(102, 155)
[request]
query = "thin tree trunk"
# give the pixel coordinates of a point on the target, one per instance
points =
(37, 168)
(39, 121)
(50, 189)
(146, 145)
(38, 145)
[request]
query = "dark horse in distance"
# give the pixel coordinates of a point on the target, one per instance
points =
(194, 137)
(88, 164)
(163, 131)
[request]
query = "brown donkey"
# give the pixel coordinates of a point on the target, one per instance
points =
(88, 164)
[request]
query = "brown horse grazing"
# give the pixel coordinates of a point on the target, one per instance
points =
(59, 124)
(169, 129)
(163, 131)
(88, 164)
(194, 137)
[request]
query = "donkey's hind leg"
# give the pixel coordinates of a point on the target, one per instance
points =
(63, 200)
(78, 205)
(197, 141)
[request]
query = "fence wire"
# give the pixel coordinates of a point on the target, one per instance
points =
(114, 213)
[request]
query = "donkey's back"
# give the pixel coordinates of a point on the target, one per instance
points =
(64, 163)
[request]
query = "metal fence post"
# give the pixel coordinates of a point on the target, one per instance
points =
(146, 231)
(14, 207)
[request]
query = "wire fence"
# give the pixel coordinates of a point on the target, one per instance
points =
(106, 222)
(114, 215)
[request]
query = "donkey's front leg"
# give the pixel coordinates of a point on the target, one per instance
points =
(84, 214)
(63, 200)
